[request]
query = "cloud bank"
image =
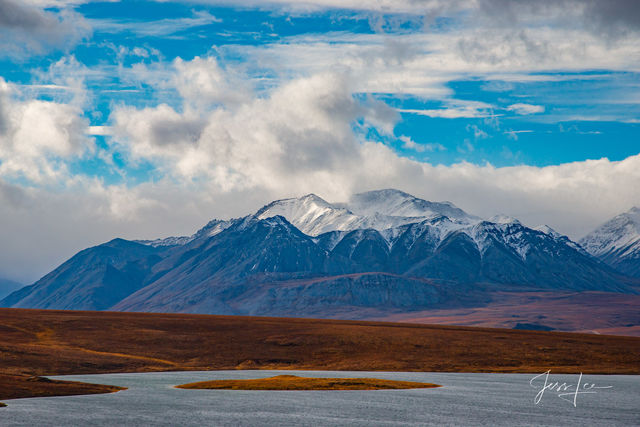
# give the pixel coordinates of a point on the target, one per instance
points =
(224, 153)
(221, 142)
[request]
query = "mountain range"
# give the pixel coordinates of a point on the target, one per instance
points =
(379, 253)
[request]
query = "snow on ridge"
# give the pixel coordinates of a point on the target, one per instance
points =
(544, 228)
(167, 241)
(314, 217)
(391, 202)
(379, 210)
(310, 214)
(372, 210)
(620, 234)
(504, 219)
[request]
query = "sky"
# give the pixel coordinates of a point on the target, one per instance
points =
(145, 119)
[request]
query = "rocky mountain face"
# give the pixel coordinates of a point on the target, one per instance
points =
(382, 251)
(617, 242)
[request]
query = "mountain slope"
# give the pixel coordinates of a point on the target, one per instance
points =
(202, 277)
(617, 242)
(264, 264)
(94, 279)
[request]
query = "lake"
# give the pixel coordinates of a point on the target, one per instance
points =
(464, 399)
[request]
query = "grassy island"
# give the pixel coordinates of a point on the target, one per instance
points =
(293, 382)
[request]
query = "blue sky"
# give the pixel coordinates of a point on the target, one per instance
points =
(581, 114)
(141, 114)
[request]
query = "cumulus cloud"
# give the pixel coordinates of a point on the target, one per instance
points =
(301, 131)
(203, 82)
(36, 134)
(27, 28)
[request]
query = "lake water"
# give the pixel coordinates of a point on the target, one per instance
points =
(464, 399)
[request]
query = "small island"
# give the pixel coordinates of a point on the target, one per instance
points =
(293, 382)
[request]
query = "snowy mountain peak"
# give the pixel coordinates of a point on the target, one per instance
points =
(379, 210)
(392, 202)
(504, 219)
(310, 214)
(617, 242)
(312, 198)
(620, 235)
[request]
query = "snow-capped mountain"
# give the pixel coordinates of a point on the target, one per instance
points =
(558, 236)
(312, 215)
(382, 251)
(617, 242)
(395, 203)
(379, 210)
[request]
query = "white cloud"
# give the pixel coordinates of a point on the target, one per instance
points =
(513, 134)
(159, 28)
(456, 109)
(610, 18)
(423, 64)
(27, 28)
(302, 131)
(36, 135)
(410, 144)
(524, 109)
(477, 132)
(99, 130)
(202, 82)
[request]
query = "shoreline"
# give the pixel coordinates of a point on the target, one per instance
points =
(86, 342)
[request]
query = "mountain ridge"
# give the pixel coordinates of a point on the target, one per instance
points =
(265, 264)
(617, 242)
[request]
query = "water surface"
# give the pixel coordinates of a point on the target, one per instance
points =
(464, 399)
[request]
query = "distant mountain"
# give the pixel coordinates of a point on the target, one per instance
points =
(8, 286)
(617, 242)
(379, 210)
(395, 203)
(94, 279)
(381, 252)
